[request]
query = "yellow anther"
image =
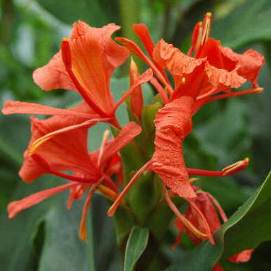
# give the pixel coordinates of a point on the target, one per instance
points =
(192, 180)
(234, 168)
(206, 27)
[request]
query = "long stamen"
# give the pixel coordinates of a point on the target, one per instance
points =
(115, 205)
(196, 38)
(202, 217)
(206, 28)
(48, 136)
(104, 140)
(219, 208)
(160, 90)
(207, 22)
(235, 94)
(108, 192)
(229, 170)
(82, 230)
(108, 181)
(67, 60)
(186, 222)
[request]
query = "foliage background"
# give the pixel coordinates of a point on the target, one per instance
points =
(45, 237)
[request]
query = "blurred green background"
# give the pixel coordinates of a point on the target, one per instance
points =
(45, 237)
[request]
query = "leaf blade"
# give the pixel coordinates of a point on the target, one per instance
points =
(136, 244)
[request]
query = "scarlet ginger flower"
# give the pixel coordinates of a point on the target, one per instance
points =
(53, 149)
(197, 80)
(84, 64)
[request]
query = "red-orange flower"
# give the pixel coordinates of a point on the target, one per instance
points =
(94, 57)
(197, 80)
(85, 64)
(58, 146)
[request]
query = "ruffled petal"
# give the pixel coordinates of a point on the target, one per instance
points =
(172, 59)
(222, 79)
(248, 65)
(194, 76)
(173, 124)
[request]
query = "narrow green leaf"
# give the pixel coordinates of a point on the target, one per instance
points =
(245, 229)
(136, 244)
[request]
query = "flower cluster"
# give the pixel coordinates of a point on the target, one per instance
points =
(85, 64)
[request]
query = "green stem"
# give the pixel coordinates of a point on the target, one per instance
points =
(129, 14)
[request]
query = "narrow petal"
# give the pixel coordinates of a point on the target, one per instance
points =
(134, 48)
(127, 133)
(143, 33)
(173, 124)
(19, 205)
(142, 79)
(136, 97)
(83, 222)
(15, 107)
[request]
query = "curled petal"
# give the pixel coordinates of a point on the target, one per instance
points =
(172, 59)
(53, 75)
(221, 78)
(173, 124)
(248, 65)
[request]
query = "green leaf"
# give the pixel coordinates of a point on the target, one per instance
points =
(245, 229)
(62, 249)
(136, 244)
(95, 12)
(249, 22)
(18, 234)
